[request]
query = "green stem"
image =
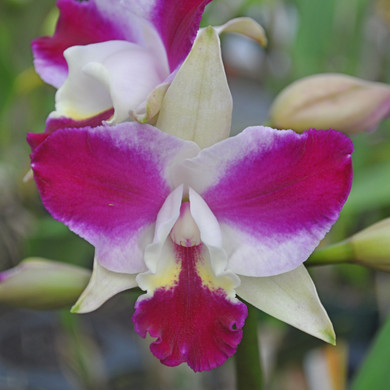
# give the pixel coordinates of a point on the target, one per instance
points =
(249, 374)
(339, 253)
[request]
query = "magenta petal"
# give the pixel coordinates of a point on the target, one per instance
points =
(107, 184)
(192, 322)
(93, 21)
(80, 23)
(277, 193)
(53, 124)
(35, 139)
(177, 22)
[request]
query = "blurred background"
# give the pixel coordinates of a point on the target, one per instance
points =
(56, 350)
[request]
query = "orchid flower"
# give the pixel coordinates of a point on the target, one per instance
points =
(114, 60)
(195, 228)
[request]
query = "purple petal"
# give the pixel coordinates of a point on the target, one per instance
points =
(93, 21)
(275, 193)
(194, 320)
(107, 184)
(177, 22)
(53, 124)
(80, 23)
(35, 139)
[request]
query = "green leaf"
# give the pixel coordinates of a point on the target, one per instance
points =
(370, 189)
(375, 373)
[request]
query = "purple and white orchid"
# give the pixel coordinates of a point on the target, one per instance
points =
(190, 217)
(107, 57)
(114, 60)
(194, 228)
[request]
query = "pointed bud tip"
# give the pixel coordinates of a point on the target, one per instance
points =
(76, 308)
(329, 336)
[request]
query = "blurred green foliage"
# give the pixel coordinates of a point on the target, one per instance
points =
(25, 102)
(374, 372)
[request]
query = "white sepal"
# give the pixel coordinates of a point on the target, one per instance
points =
(198, 104)
(103, 285)
(291, 297)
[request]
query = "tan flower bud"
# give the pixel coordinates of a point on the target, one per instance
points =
(335, 101)
(42, 284)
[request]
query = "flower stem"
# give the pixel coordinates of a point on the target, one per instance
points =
(249, 374)
(342, 252)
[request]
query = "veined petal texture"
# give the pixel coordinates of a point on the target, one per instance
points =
(189, 310)
(173, 23)
(108, 184)
(188, 221)
(291, 297)
(275, 194)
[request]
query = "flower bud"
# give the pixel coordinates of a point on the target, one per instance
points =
(335, 101)
(370, 248)
(42, 284)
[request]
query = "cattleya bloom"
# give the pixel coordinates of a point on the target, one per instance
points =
(114, 60)
(193, 221)
(196, 228)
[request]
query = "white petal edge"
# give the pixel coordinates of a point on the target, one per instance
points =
(82, 96)
(291, 297)
(168, 270)
(210, 232)
(101, 76)
(129, 76)
(208, 225)
(103, 285)
(147, 111)
(166, 218)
